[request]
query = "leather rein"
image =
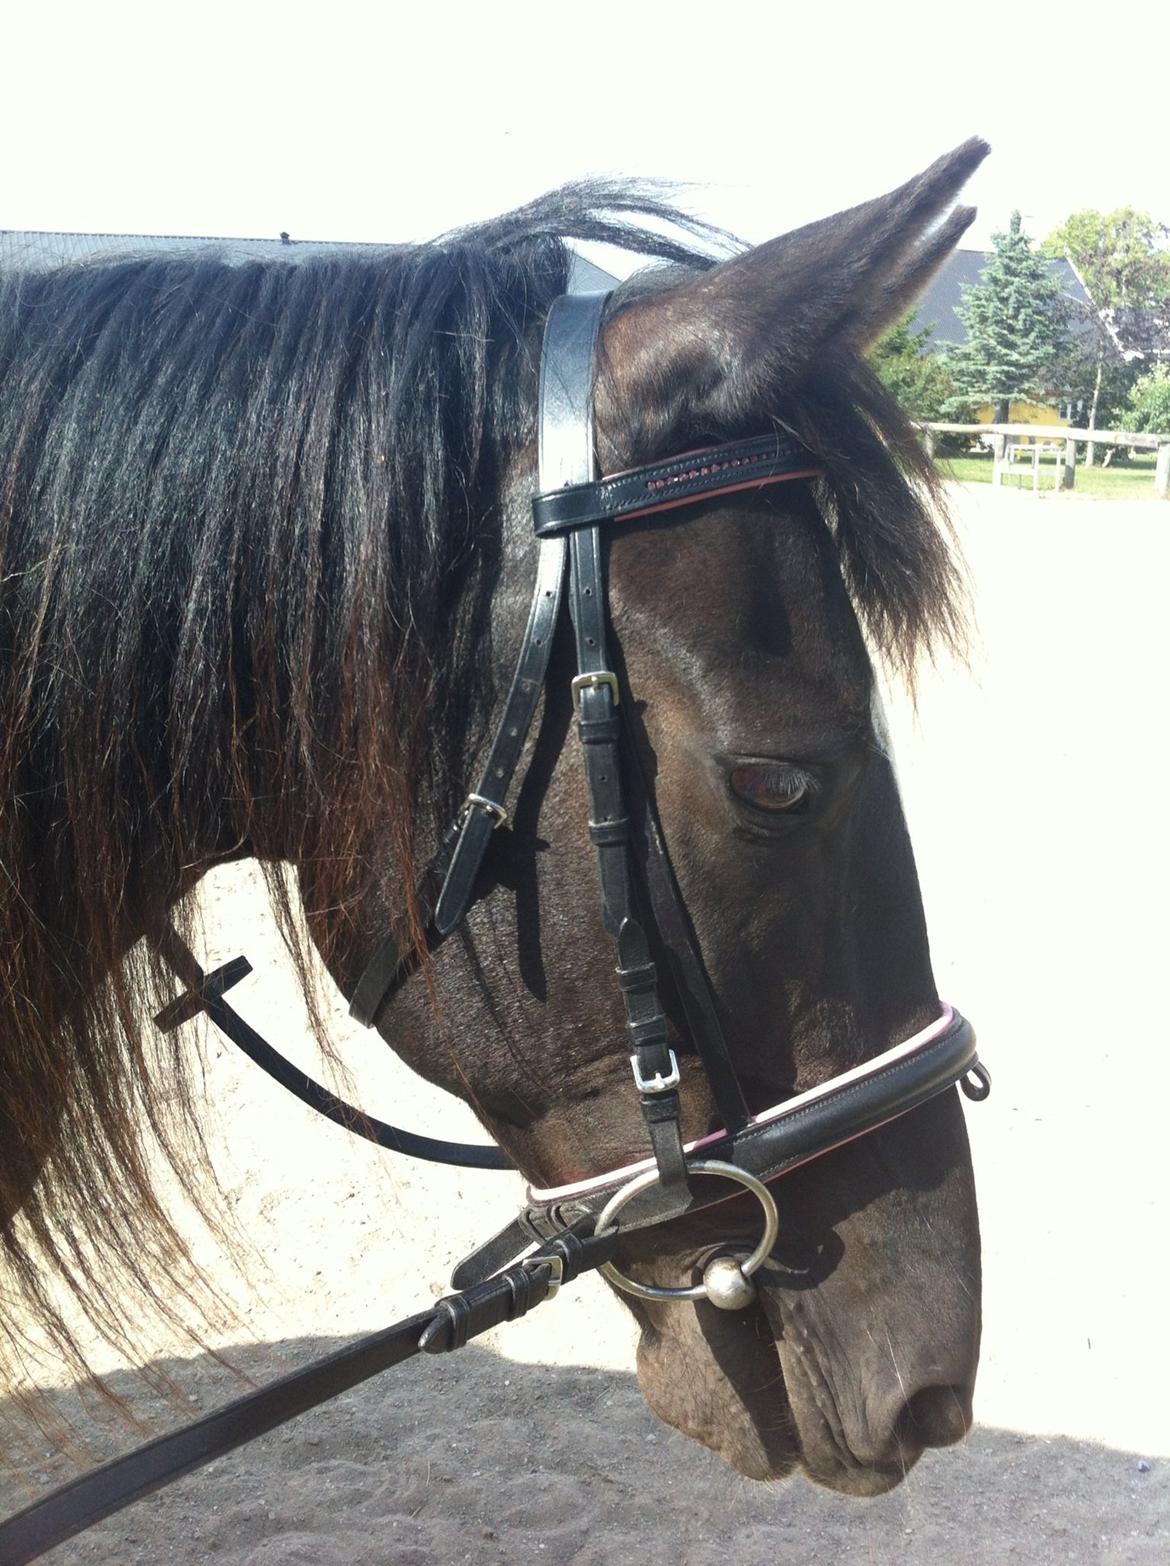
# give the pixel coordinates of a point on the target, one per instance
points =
(563, 1231)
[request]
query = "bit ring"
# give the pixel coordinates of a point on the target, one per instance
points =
(706, 1166)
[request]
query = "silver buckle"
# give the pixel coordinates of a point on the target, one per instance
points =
(657, 1083)
(586, 682)
(556, 1267)
(489, 805)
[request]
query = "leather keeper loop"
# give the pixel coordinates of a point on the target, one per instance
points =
(599, 731)
(610, 834)
(660, 1107)
(528, 1289)
(572, 1253)
(649, 1033)
(642, 977)
(458, 1313)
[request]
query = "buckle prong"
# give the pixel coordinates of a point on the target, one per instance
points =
(586, 682)
(556, 1269)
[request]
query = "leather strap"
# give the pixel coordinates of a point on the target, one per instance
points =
(776, 1142)
(677, 937)
(448, 1325)
(567, 460)
(485, 808)
(202, 994)
(680, 481)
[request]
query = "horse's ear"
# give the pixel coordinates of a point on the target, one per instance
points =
(709, 346)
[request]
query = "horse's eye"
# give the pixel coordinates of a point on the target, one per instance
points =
(772, 785)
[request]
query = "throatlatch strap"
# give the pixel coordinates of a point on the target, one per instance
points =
(485, 808)
(202, 993)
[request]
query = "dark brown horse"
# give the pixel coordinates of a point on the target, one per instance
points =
(266, 557)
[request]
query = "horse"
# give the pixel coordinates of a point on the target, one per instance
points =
(266, 557)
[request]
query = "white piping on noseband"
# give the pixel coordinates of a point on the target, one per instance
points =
(869, 1068)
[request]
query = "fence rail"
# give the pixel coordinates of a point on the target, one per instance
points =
(1004, 435)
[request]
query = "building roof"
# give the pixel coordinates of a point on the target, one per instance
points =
(964, 268)
(38, 250)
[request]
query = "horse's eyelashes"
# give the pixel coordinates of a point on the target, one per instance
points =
(774, 786)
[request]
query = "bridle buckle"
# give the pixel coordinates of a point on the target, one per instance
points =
(657, 1083)
(587, 682)
(556, 1271)
(489, 805)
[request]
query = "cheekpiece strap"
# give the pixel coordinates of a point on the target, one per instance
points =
(567, 462)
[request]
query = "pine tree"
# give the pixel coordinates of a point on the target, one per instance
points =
(913, 371)
(1015, 322)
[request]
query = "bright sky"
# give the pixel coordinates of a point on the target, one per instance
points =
(344, 121)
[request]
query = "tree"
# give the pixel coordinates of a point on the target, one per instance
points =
(1149, 401)
(912, 370)
(1015, 322)
(1118, 257)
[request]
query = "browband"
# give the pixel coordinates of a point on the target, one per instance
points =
(679, 481)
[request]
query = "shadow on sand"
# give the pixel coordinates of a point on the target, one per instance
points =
(477, 1458)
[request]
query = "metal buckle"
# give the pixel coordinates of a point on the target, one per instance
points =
(657, 1083)
(556, 1267)
(489, 805)
(585, 682)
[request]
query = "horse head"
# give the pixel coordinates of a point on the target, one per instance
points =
(753, 711)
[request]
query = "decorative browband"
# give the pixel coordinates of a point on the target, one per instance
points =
(719, 470)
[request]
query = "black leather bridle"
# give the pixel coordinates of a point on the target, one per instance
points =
(563, 1231)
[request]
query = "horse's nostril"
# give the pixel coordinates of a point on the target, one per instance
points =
(936, 1416)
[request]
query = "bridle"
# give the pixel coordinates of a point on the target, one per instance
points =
(567, 1229)
(569, 513)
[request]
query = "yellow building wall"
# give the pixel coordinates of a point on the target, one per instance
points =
(1022, 413)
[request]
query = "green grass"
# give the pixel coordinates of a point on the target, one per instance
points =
(1133, 481)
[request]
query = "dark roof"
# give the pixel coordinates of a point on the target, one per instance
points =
(35, 250)
(937, 307)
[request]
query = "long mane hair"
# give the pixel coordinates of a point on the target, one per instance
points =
(249, 532)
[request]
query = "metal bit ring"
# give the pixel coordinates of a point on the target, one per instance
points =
(698, 1291)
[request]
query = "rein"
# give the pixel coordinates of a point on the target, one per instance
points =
(572, 1227)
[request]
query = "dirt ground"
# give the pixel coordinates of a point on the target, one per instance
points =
(1034, 787)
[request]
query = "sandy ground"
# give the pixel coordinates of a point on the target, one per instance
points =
(1034, 789)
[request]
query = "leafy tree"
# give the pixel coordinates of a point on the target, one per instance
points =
(1117, 255)
(1149, 401)
(1015, 322)
(913, 371)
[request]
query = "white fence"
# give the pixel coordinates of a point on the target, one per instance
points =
(1010, 442)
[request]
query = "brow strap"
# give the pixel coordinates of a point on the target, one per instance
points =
(680, 481)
